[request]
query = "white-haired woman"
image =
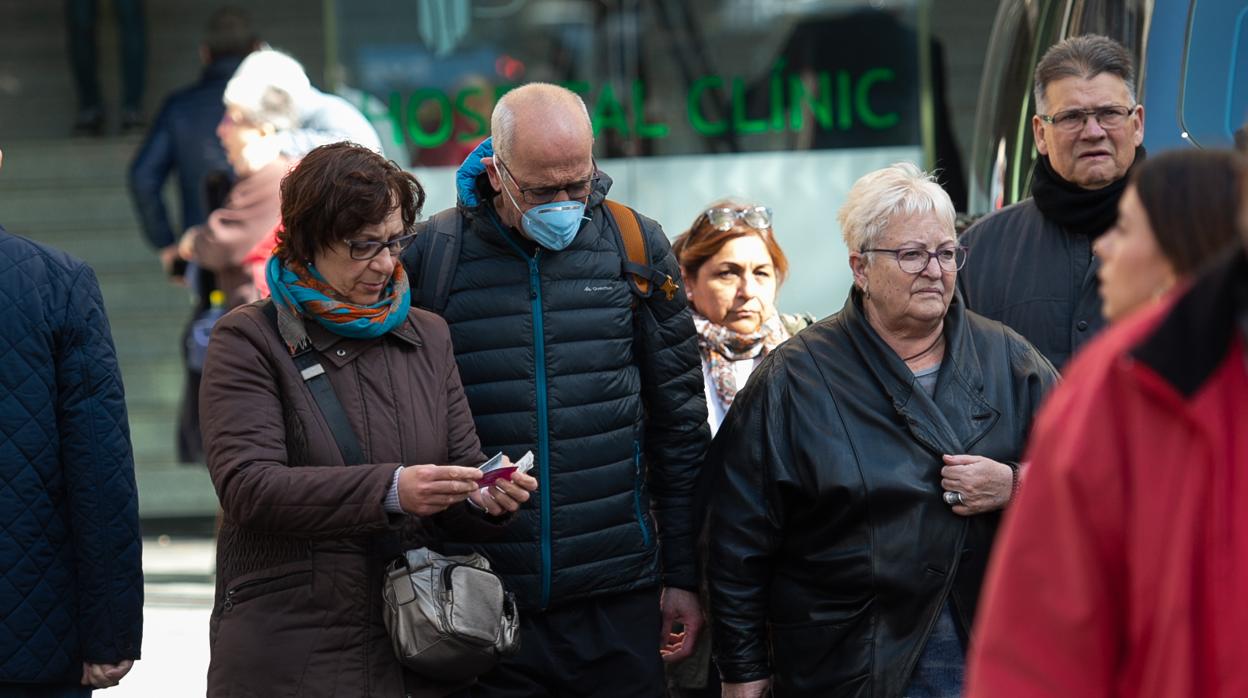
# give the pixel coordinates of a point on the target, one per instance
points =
(249, 132)
(863, 469)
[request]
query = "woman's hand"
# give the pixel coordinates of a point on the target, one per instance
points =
(752, 689)
(505, 496)
(984, 483)
(425, 490)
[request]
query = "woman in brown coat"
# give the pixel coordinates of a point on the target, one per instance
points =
(305, 536)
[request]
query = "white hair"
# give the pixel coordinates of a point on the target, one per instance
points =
(268, 88)
(899, 189)
(542, 95)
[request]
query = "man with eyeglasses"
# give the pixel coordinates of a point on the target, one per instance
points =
(1031, 265)
(559, 354)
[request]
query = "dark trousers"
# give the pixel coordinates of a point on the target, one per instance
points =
(606, 648)
(80, 19)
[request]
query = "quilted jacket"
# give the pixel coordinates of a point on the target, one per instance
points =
(555, 359)
(71, 580)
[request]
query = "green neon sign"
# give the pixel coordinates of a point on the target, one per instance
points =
(834, 100)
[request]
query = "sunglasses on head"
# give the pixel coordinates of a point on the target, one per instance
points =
(724, 217)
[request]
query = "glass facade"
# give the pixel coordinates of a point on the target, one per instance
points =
(779, 102)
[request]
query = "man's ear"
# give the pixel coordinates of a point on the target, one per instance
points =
(491, 171)
(1037, 131)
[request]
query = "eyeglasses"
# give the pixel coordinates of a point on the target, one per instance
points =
(544, 195)
(913, 260)
(1073, 120)
(367, 249)
(724, 217)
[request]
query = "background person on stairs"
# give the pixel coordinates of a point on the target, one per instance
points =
(81, 17)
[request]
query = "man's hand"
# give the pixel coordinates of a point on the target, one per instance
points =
(679, 606)
(752, 689)
(105, 675)
(425, 490)
(186, 245)
(505, 496)
(984, 483)
(169, 255)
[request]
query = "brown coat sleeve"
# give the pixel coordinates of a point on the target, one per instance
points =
(245, 440)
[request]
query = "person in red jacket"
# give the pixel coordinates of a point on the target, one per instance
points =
(1122, 567)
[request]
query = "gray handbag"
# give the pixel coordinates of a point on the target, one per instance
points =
(449, 616)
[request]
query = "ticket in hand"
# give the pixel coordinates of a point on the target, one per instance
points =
(496, 468)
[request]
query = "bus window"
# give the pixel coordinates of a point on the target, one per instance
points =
(1214, 101)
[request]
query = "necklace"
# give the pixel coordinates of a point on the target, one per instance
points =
(929, 348)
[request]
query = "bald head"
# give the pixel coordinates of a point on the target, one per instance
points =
(540, 116)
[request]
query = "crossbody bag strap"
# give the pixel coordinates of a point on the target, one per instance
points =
(313, 374)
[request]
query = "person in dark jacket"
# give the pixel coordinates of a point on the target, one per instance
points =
(306, 532)
(183, 138)
(559, 356)
(1031, 264)
(71, 574)
(861, 473)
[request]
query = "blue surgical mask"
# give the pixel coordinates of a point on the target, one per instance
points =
(555, 224)
(552, 225)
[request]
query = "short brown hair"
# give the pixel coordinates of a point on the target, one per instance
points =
(335, 191)
(703, 241)
(1084, 57)
(1191, 198)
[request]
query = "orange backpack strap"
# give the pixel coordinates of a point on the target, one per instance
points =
(637, 258)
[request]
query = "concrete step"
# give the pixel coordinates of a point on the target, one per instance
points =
(37, 97)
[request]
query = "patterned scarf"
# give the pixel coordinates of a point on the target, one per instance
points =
(300, 291)
(721, 346)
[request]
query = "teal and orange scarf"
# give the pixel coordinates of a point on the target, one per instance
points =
(299, 291)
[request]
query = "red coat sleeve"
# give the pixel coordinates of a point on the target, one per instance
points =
(1052, 618)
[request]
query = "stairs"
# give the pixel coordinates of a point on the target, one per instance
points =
(71, 194)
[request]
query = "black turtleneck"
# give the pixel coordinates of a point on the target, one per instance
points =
(1081, 211)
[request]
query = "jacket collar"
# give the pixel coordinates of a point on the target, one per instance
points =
(340, 350)
(1192, 340)
(221, 69)
(958, 415)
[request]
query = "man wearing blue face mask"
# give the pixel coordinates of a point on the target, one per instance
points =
(565, 351)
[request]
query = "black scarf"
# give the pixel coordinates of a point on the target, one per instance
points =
(1081, 211)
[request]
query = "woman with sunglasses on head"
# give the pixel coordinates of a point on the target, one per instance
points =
(316, 505)
(861, 473)
(1176, 215)
(733, 268)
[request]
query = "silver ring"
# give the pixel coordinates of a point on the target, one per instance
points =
(952, 498)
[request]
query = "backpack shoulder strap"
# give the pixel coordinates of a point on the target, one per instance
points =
(441, 256)
(642, 277)
(313, 374)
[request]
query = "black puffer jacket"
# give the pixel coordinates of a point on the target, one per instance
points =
(555, 359)
(1028, 272)
(831, 551)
